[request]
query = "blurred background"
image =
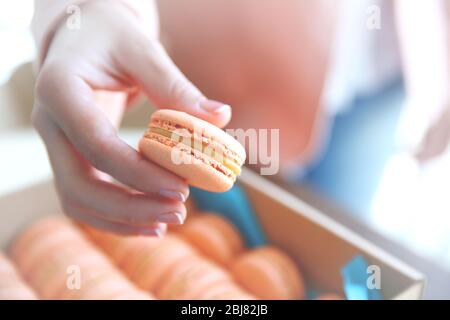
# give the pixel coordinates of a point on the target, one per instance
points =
(362, 169)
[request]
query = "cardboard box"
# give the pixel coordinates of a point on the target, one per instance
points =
(320, 245)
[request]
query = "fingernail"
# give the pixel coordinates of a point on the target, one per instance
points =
(154, 232)
(174, 195)
(213, 106)
(172, 217)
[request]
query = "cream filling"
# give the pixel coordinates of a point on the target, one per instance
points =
(230, 164)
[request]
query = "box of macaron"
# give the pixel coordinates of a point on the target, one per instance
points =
(244, 238)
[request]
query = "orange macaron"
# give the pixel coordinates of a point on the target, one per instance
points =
(190, 279)
(34, 252)
(203, 154)
(34, 231)
(269, 273)
(214, 236)
(54, 258)
(145, 260)
(149, 267)
(330, 296)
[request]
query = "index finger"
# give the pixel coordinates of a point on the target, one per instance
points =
(71, 104)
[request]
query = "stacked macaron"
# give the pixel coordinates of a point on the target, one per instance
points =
(214, 236)
(267, 272)
(12, 287)
(169, 267)
(60, 263)
(205, 259)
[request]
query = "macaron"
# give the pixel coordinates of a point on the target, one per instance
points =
(92, 276)
(105, 286)
(269, 273)
(133, 295)
(46, 257)
(145, 260)
(35, 251)
(34, 231)
(53, 274)
(201, 153)
(151, 267)
(226, 291)
(190, 278)
(213, 236)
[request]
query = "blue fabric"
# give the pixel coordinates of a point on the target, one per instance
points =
(235, 206)
(360, 143)
(354, 277)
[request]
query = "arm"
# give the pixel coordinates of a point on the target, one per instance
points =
(423, 37)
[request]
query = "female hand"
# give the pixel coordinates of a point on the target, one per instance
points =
(112, 51)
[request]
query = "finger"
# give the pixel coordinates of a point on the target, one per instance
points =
(156, 230)
(80, 188)
(71, 103)
(149, 64)
(117, 204)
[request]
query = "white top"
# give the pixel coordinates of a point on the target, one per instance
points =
(365, 57)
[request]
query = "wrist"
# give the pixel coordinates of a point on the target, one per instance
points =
(49, 15)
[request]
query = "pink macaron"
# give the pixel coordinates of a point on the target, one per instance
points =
(269, 273)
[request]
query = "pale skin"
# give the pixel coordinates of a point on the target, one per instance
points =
(259, 56)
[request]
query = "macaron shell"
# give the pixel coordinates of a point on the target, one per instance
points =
(133, 295)
(36, 250)
(270, 274)
(104, 288)
(145, 260)
(132, 250)
(49, 273)
(196, 172)
(89, 264)
(123, 250)
(213, 236)
(114, 245)
(189, 278)
(48, 253)
(91, 276)
(33, 231)
(200, 126)
(156, 264)
(330, 296)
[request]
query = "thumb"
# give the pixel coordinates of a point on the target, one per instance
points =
(150, 66)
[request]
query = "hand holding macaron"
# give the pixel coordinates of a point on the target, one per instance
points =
(85, 81)
(201, 153)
